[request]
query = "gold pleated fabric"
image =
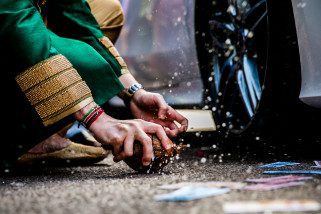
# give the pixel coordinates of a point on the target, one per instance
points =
(54, 88)
(111, 48)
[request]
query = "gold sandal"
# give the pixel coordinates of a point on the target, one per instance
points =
(75, 153)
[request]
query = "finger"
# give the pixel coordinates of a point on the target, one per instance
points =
(117, 149)
(161, 134)
(129, 145)
(118, 153)
(121, 156)
(148, 151)
(127, 149)
(162, 107)
(175, 116)
(171, 129)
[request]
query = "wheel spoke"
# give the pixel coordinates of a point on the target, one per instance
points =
(251, 73)
(252, 80)
(223, 75)
(244, 93)
(217, 73)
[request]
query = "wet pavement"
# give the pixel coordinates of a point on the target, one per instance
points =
(115, 188)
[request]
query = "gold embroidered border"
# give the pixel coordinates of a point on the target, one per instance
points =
(52, 86)
(42, 71)
(76, 107)
(60, 101)
(109, 45)
(114, 51)
(124, 71)
(121, 62)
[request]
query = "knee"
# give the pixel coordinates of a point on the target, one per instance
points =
(109, 13)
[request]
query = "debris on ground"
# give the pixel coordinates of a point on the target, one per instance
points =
(271, 206)
(209, 184)
(279, 164)
(279, 179)
(317, 164)
(190, 193)
(280, 172)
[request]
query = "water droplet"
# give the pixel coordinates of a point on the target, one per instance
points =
(232, 10)
(250, 35)
(206, 107)
(203, 160)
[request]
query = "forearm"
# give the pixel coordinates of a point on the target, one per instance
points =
(127, 80)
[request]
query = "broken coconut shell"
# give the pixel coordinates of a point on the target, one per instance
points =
(162, 156)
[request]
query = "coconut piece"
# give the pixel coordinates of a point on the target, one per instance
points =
(162, 156)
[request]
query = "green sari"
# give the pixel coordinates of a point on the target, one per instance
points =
(70, 31)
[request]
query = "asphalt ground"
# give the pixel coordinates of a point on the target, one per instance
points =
(109, 187)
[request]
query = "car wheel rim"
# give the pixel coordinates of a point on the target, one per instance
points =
(240, 44)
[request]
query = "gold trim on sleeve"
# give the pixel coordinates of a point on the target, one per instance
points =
(54, 88)
(42, 71)
(71, 110)
(124, 71)
(106, 42)
(109, 45)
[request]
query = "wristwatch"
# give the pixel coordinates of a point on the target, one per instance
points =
(127, 94)
(135, 87)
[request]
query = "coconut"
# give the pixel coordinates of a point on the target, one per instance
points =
(162, 156)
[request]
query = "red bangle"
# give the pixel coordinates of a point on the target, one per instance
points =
(92, 117)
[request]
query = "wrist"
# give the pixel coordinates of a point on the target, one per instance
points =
(139, 93)
(128, 93)
(82, 112)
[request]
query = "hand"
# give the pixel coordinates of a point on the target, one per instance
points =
(153, 108)
(121, 134)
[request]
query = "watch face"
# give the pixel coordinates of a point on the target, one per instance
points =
(135, 87)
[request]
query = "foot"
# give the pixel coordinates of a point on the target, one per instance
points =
(54, 143)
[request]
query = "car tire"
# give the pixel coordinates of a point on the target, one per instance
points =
(263, 105)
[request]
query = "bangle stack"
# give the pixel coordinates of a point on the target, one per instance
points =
(91, 116)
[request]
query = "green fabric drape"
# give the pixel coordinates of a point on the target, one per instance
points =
(25, 41)
(73, 19)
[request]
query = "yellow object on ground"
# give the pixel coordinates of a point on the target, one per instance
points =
(199, 120)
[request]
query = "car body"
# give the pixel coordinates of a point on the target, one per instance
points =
(160, 43)
(307, 17)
